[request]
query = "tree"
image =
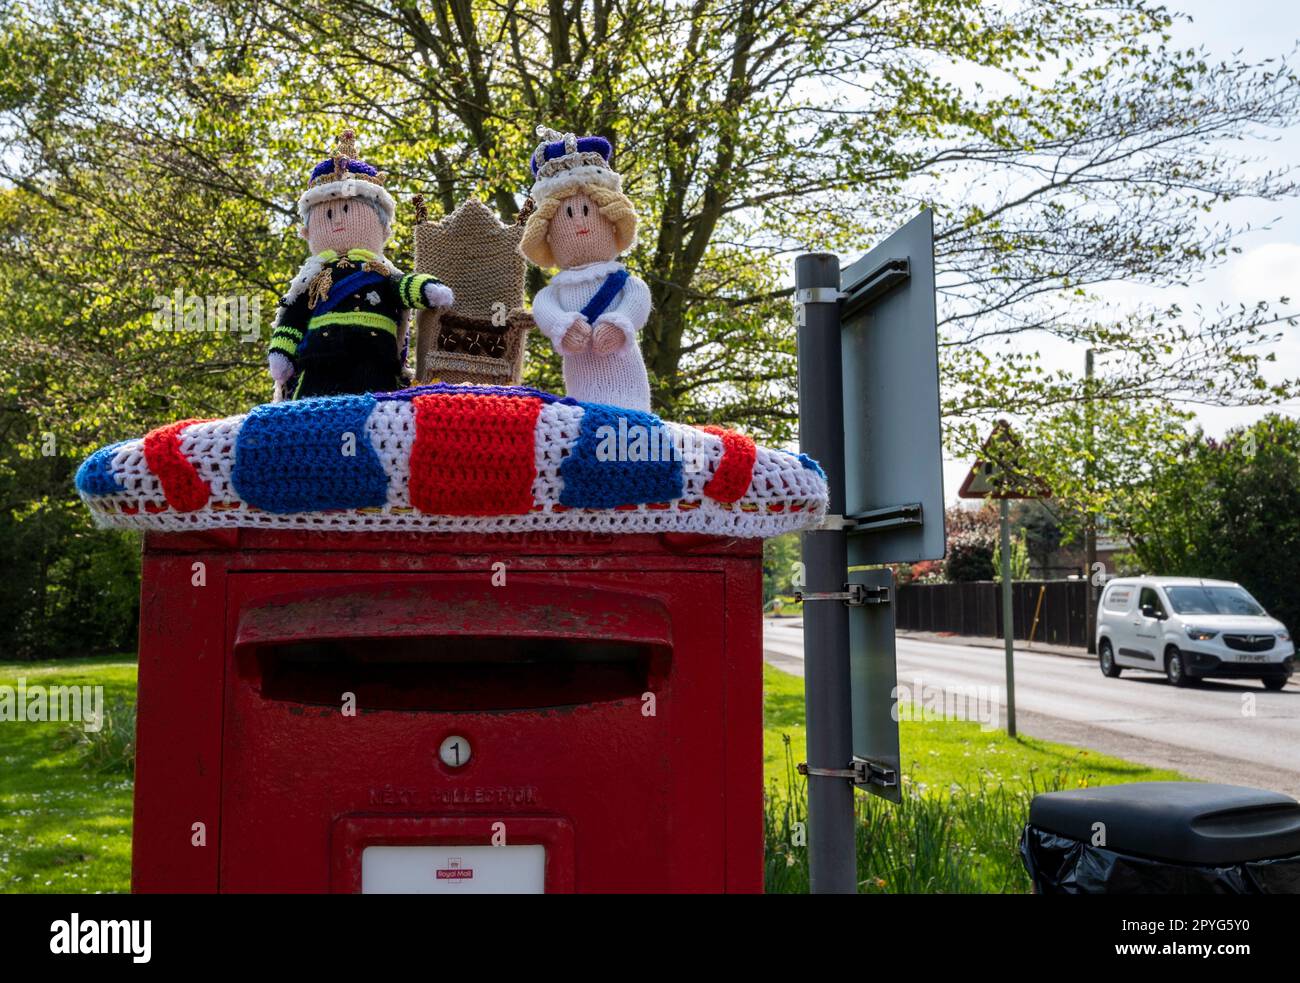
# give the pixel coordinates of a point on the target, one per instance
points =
(1227, 509)
(1042, 529)
(70, 589)
(148, 146)
(175, 135)
(1088, 458)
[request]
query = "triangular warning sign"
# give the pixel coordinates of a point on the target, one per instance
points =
(991, 477)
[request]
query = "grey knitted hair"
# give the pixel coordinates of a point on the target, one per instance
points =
(379, 212)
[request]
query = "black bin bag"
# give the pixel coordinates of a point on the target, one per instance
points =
(1163, 838)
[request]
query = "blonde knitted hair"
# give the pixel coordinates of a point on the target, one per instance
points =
(613, 205)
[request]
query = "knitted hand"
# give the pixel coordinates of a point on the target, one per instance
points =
(438, 295)
(280, 367)
(578, 338)
(607, 338)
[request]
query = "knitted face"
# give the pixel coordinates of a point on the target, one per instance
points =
(580, 234)
(341, 224)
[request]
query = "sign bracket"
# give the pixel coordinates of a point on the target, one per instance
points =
(854, 595)
(862, 773)
(889, 517)
(875, 284)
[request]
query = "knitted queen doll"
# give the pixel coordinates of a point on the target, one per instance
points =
(592, 309)
(342, 325)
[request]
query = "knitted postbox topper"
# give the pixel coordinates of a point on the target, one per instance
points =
(452, 458)
(481, 338)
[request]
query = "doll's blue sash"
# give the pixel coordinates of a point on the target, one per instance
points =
(604, 296)
(345, 288)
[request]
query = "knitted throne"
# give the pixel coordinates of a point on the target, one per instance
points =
(481, 338)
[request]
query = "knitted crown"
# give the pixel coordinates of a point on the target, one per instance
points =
(344, 175)
(562, 160)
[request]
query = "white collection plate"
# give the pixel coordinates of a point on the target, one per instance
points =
(453, 869)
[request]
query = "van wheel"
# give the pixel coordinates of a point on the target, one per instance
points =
(1175, 671)
(1107, 659)
(1274, 683)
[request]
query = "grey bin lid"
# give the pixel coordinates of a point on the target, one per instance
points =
(1181, 822)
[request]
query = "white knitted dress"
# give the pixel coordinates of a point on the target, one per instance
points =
(618, 379)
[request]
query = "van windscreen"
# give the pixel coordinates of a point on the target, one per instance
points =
(1213, 600)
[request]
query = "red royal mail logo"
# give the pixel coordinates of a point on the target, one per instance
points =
(454, 871)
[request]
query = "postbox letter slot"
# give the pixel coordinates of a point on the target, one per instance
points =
(455, 644)
(454, 673)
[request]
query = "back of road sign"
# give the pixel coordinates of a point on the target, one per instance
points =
(873, 682)
(893, 467)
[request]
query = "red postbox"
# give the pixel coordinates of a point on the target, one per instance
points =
(445, 712)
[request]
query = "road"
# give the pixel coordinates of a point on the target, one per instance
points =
(1225, 731)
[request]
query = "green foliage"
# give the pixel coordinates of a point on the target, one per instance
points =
(110, 747)
(781, 557)
(1126, 564)
(970, 557)
(166, 143)
(1043, 531)
(1226, 509)
(962, 842)
(72, 589)
(1089, 457)
(64, 830)
(1019, 558)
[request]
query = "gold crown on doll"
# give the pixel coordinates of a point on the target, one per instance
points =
(344, 164)
(345, 175)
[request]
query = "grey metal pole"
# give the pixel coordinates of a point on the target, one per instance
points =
(832, 851)
(1008, 626)
(1090, 521)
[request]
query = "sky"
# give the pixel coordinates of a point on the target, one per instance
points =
(1268, 266)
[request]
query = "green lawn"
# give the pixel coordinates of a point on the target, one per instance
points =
(64, 828)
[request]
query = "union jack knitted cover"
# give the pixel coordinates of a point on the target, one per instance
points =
(451, 458)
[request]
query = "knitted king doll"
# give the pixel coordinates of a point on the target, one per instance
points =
(592, 309)
(342, 325)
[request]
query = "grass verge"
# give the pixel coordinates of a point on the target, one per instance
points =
(966, 793)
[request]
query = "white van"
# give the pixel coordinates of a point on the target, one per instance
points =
(1190, 629)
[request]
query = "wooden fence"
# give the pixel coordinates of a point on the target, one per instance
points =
(976, 609)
